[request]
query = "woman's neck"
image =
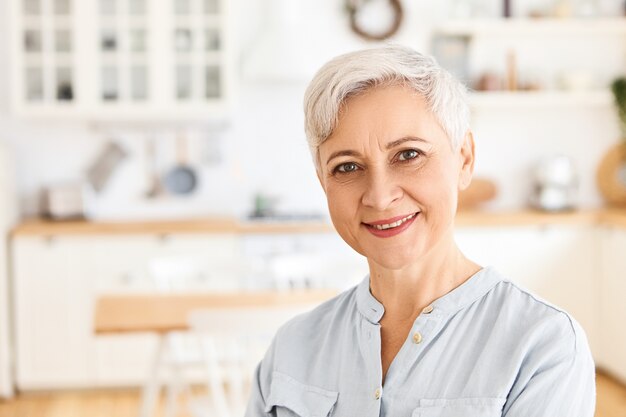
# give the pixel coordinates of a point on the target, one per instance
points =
(405, 292)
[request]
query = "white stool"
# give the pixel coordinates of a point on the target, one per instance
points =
(225, 344)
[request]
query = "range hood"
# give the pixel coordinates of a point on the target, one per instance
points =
(295, 39)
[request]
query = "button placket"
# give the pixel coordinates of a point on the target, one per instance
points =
(370, 349)
(417, 335)
(424, 326)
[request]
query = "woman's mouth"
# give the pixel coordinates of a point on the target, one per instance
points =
(391, 227)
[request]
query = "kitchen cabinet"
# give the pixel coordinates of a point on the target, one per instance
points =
(612, 307)
(57, 280)
(163, 263)
(122, 60)
(51, 287)
(8, 215)
(301, 261)
(576, 265)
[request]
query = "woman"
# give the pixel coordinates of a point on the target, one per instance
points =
(429, 332)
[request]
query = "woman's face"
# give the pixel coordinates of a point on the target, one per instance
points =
(391, 177)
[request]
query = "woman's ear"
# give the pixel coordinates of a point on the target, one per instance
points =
(467, 161)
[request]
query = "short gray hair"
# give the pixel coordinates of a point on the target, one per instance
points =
(353, 73)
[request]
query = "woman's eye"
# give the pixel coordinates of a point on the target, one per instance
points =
(347, 167)
(408, 154)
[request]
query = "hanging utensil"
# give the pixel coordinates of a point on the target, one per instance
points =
(154, 182)
(106, 163)
(182, 179)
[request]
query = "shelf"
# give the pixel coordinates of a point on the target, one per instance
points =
(540, 98)
(534, 27)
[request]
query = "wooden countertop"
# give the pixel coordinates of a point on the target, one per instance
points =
(615, 217)
(167, 312)
(209, 225)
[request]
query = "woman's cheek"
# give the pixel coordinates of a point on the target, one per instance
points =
(339, 202)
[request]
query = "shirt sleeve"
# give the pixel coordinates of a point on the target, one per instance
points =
(558, 379)
(261, 381)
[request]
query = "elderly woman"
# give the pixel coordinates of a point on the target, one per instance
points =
(428, 332)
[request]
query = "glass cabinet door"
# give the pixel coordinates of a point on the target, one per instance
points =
(197, 49)
(47, 48)
(124, 51)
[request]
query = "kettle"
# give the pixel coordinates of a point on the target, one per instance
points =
(555, 184)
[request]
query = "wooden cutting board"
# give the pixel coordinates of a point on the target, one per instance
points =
(480, 191)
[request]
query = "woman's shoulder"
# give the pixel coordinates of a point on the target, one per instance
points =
(532, 314)
(334, 311)
(538, 345)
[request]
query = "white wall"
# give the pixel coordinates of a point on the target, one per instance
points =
(263, 149)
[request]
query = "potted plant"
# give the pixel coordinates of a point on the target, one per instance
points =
(611, 176)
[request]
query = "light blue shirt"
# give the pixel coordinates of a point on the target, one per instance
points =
(487, 348)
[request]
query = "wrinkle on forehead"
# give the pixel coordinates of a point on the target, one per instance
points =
(422, 108)
(368, 124)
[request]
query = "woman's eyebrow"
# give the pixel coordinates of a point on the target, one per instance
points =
(390, 145)
(342, 153)
(400, 141)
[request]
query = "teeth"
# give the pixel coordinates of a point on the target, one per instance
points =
(394, 224)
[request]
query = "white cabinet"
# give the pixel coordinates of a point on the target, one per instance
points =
(57, 280)
(8, 212)
(148, 263)
(558, 263)
(165, 263)
(122, 59)
(52, 295)
(612, 305)
(56, 283)
(321, 260)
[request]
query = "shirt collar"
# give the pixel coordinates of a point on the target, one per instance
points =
(475, 287)
(368, 306)
(471, 290)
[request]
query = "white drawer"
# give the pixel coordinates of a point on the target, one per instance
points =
(167, 263)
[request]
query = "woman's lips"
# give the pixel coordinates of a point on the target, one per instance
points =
(391, 227)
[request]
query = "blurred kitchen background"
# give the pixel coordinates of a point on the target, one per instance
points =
(154, 168)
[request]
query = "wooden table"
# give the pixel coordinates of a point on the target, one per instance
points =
(162, 313)
(165, 313)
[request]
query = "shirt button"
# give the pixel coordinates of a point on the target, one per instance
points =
(417, 337)
(377, 393)
(427, 310)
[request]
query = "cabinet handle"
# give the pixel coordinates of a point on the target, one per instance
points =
(545, 229)
(127, 278)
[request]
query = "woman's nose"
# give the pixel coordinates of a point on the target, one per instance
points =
(381, 191)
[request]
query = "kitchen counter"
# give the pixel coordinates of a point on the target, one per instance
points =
(224, 225)
(614, 217)
(575, 260)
